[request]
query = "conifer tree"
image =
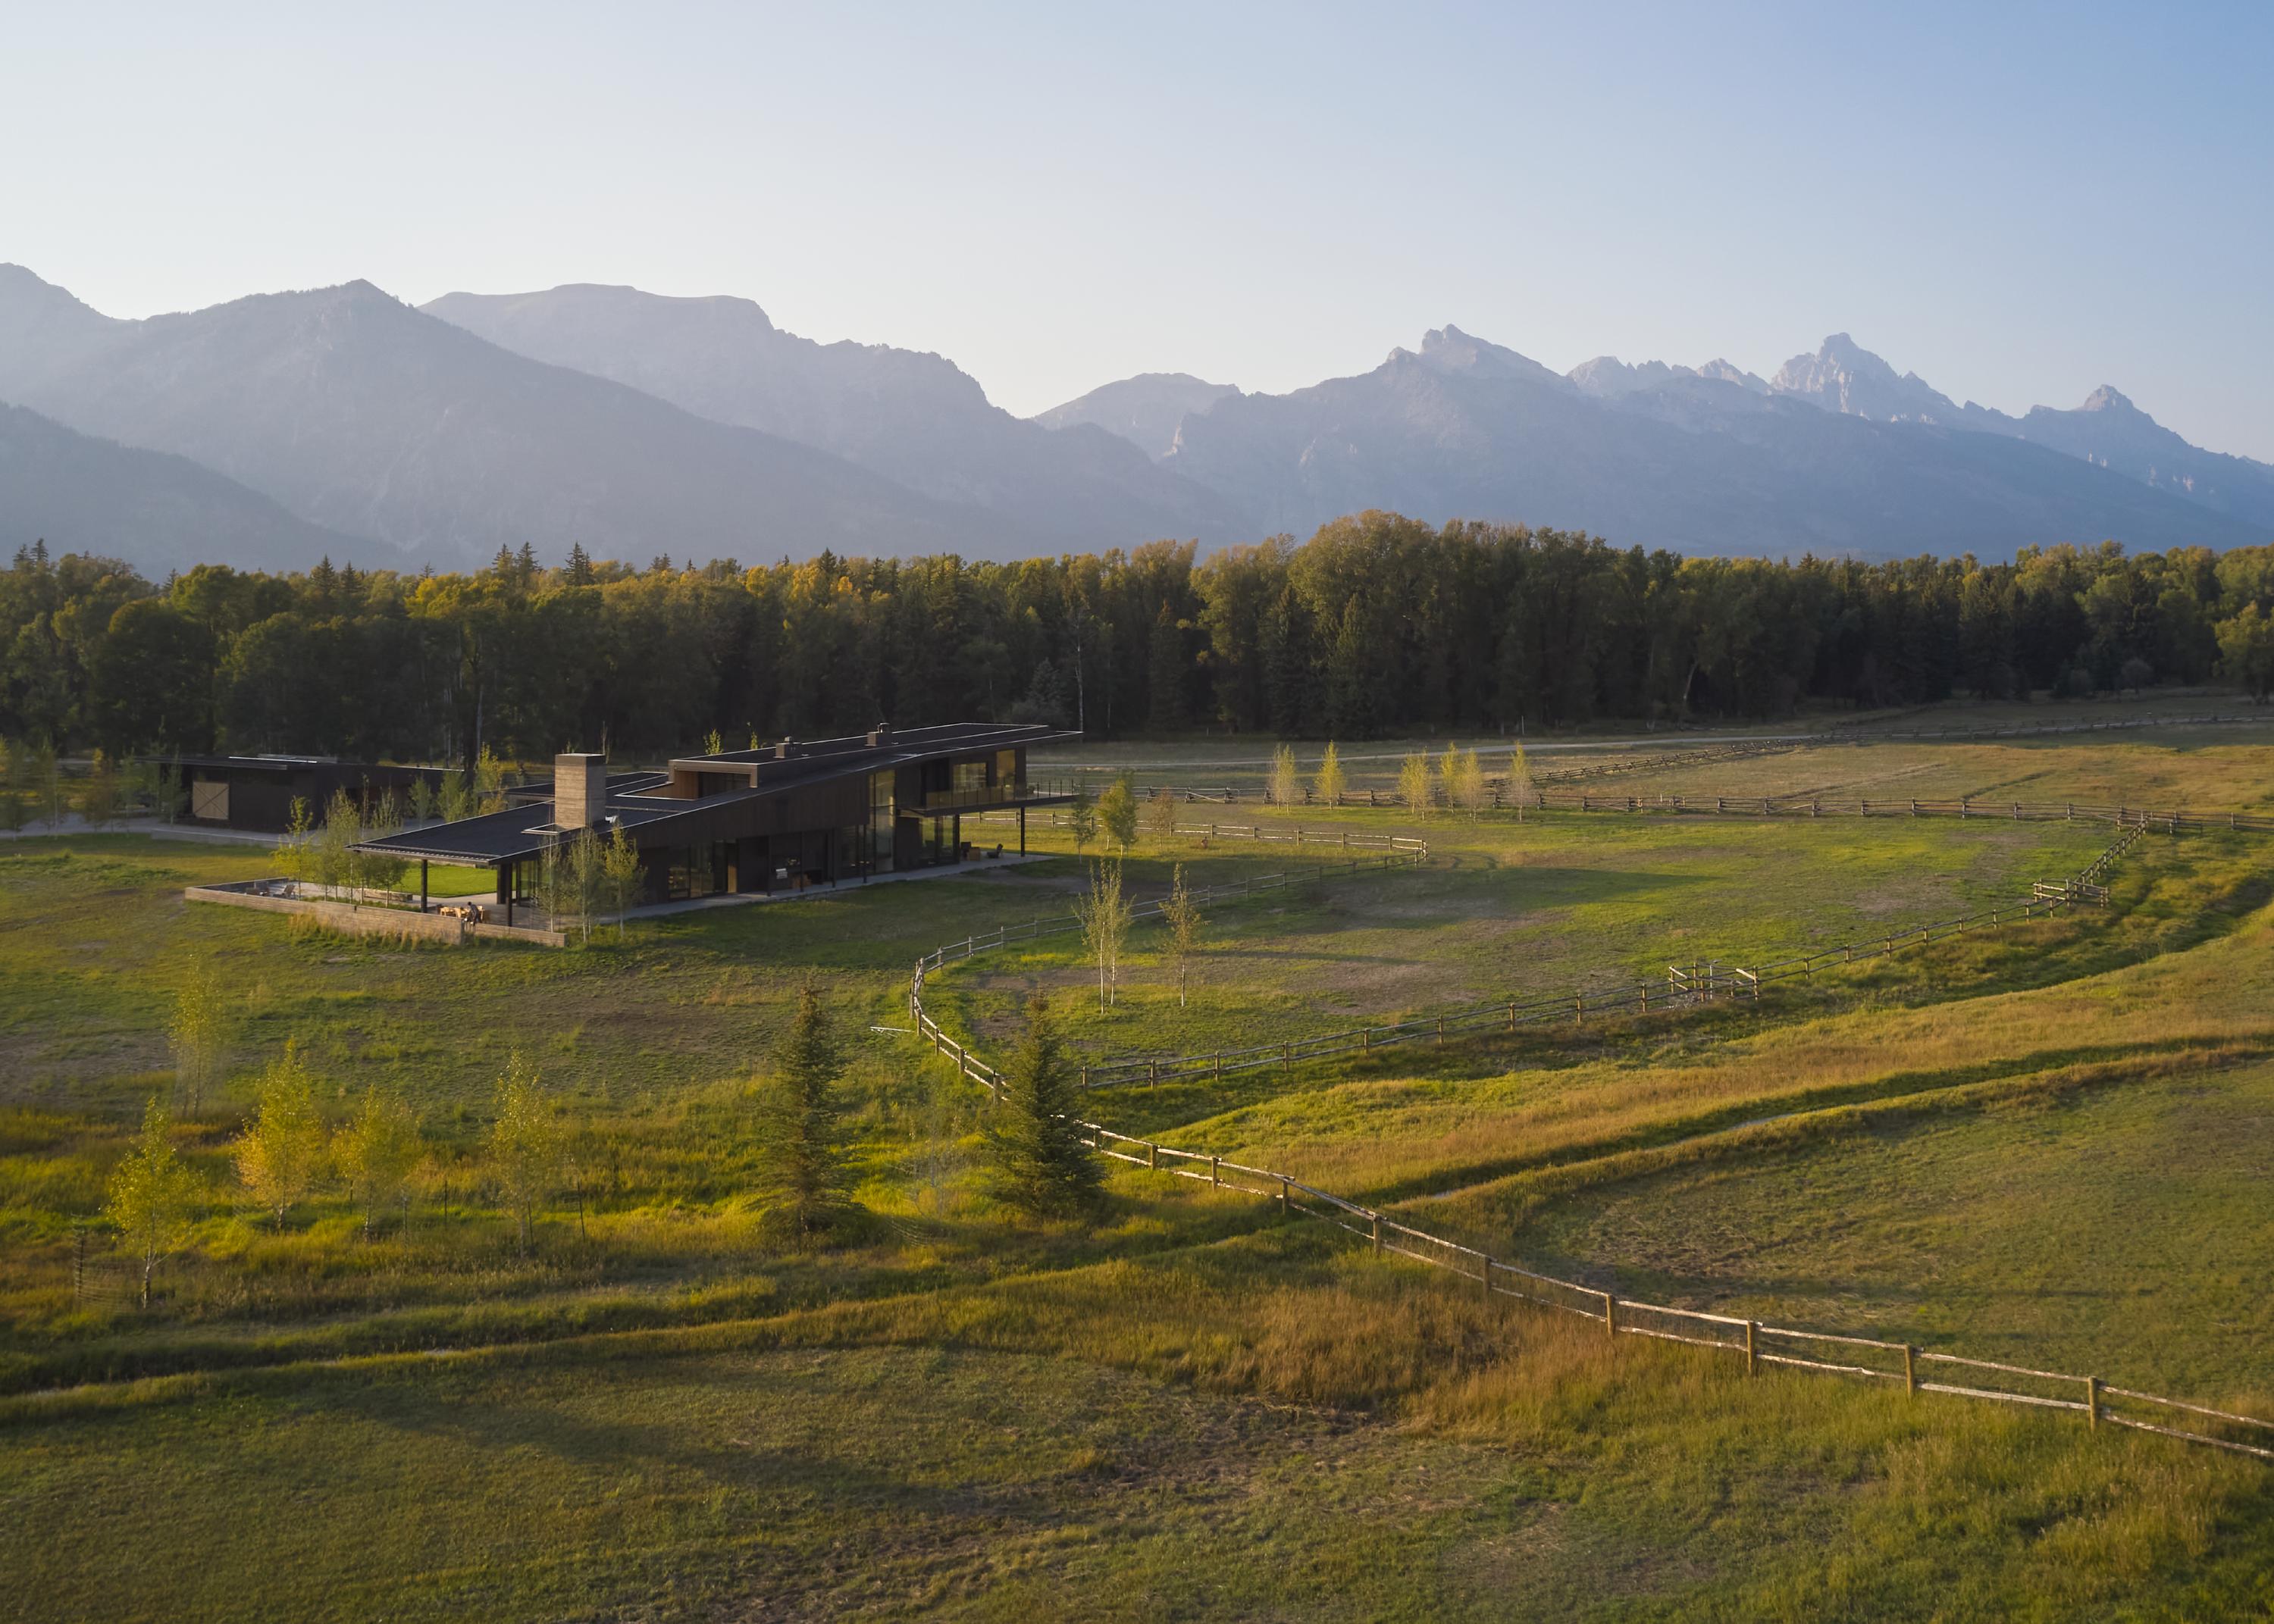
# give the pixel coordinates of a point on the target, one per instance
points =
(801, 1154)
(1082, 814)
(1036, 1162)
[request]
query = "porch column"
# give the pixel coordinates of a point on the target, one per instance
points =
(422, 885)
(1022, 831)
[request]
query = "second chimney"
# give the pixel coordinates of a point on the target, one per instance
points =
(580, 790)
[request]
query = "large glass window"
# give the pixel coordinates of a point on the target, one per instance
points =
(880, 823)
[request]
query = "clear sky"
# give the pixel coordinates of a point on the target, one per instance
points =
(2019, 202)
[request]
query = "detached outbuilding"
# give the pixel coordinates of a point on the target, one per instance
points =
(257, 792)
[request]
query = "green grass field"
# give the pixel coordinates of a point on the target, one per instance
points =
(2049, 1144)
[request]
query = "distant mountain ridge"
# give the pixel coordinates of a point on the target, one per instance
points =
(1708, 459)
(357, 412)
(81, 494)
(915, 417)
(342, 419)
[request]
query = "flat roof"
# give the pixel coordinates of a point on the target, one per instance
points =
(284, 764)
(524, 830)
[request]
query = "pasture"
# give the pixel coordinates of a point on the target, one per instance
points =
(2047, 1141)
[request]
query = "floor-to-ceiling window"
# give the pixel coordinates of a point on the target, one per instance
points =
(880, 822)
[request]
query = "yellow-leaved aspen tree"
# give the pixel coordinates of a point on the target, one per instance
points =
(198, 1036)
(1104, 913)
(1329, 783)
(151, 1195)
(1181, 914)
(374, 1151)
(1286, 786)
(1414, 784)
(524, 1146)
(1471, 794)
(281, 1152)
(620, 875)
(1117, 813)
(1519, 779)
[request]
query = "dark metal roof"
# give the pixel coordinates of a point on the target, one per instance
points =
(524, 830)
(284, 764)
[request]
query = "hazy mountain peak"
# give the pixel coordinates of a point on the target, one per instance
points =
(594, 301)
(1448, 349)
(2109, 398)
(42, 325)
(1146, 410)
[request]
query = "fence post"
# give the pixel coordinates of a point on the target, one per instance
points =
(1511, 1014)
(1366, 1040)
(1486, 1277)
(1216, 1172)
(2092, 1401)
(1219, 1065)
(1610, 1316)
(1377, 1233)
(1085, 1076)
(1911, 1368)
(1752, 1348)
(1284, 1204)
(1441, 1032)
(1153, 1157)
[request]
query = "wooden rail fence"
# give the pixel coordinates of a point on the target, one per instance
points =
(1759, 1343)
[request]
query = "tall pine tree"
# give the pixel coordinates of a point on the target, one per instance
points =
(800, 1123)
(1037, 1162)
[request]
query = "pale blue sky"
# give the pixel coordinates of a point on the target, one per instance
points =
(2019, 202)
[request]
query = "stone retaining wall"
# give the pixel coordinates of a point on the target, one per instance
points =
(369, 921)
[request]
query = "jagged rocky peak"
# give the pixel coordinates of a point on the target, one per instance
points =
(2108, 397)
(1721, 371)
(1609, 377)
(1843, 376)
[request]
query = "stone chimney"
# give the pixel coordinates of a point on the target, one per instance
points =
(881, 733)
(580, 790)
(782, 749)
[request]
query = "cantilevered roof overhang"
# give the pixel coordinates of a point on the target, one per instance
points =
(640, 802)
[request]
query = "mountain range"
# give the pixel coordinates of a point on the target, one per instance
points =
(275, 428)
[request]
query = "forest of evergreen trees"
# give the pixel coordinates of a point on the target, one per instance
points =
(1377, 624)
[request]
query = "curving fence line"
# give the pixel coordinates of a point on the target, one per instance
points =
(1759, 1343)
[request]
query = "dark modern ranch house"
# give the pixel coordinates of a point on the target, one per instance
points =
(788, 816)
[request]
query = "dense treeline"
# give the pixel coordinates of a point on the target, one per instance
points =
(1376, 624)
